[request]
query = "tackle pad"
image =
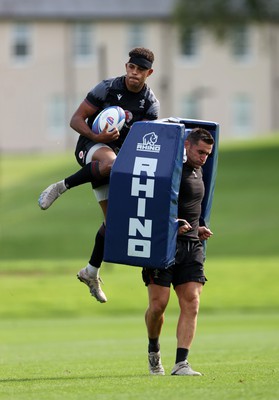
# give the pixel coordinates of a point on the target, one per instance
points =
(210, 167)
(141, 227)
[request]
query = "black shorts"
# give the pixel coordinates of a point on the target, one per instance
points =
(188, 267)
(83, 149)
(84, 145)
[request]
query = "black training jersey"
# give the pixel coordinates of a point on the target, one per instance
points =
(137, 106)
(191, 193)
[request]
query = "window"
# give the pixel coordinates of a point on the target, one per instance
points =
(242, 115)
(191, 107)
(21, 42)
(83, 41)
(241, 43)
(56, 116)
(136, 36)
(189, 43)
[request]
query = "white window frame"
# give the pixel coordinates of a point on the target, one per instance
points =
(242, 115)
(191, 40)
(83, 43)
(136, 35)
(21, 35)
(56, 116)
(190, 107)
(241, 43)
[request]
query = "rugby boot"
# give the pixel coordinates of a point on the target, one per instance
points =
(93, 282)
(184, 368)
(50, 194)
(155, 364)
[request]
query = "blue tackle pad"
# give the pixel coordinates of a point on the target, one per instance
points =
(142, 223)
(141, 227)
(210, 167)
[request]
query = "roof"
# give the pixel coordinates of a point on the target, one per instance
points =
(125, 9)
(85, 9)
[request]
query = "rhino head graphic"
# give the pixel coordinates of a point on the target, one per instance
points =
(150, 138)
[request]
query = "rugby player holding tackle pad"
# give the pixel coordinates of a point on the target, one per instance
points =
(151, 189)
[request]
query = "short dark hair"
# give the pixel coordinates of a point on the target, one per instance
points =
(142, 52)
(197, 134)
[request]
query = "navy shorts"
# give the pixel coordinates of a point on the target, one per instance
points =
(188, 267)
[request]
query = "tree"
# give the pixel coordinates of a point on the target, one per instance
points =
(219, 16)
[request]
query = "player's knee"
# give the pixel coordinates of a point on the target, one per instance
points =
(193, 305)
(105, 167)
(157, 308)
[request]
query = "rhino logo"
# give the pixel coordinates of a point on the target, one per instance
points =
(150, 138)
(149, 141)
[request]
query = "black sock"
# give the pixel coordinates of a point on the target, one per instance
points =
(153, 345)
(181, 354)
(89, 173)
(98, 250)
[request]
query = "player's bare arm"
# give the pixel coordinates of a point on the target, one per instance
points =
(78, 123)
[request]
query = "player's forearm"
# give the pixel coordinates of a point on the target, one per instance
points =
(81, 127)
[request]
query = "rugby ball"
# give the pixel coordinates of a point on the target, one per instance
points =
(114, 116)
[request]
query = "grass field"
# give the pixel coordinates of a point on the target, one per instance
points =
(105, 358)
(57, 342)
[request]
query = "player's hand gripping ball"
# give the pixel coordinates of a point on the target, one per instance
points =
(114, 116)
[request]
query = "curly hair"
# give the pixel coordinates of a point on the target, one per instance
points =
(142, 52)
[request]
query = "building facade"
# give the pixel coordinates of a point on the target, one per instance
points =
(53, 52)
